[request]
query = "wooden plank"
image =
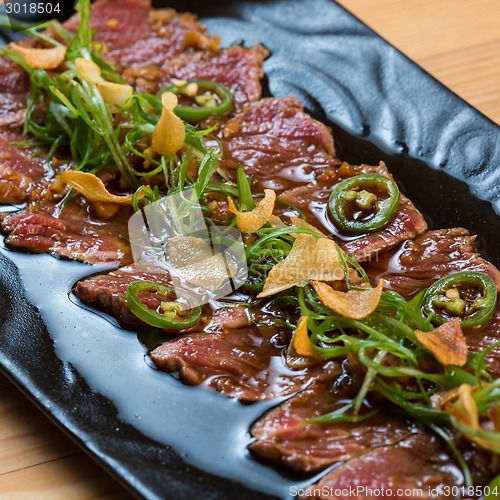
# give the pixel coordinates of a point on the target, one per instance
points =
(458, 42)
(38, 461)
(424, 28)
(472, 73)
(27, 437)
(75, 478)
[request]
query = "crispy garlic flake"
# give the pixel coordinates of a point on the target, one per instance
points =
(170, 132)
(275, 221)
(114, 95)
(354, 304)
(256, 218)
(300, 339)
(92, 188)
(195, 262)
(460, 404)
(311, 258)
(302, 223)
(446, 343)
(40, 58)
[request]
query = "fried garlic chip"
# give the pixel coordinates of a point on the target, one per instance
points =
(300, 354)
(446, 343)
(40, 58)
(170, 132)
(256, 218)
(275, 221)
(302, 223)
(440, 399)
(300, 339)
(115, 95)
(88, 71)
(311, 258)
(92, 188)
(464, 408)
(354, 304)
(194, 261)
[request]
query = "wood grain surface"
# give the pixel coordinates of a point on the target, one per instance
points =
(457, 41)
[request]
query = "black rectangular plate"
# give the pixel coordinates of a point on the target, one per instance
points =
(158, 437)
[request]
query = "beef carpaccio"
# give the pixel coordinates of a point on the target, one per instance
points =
(376, 337)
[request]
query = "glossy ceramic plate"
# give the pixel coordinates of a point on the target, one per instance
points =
(158, 437)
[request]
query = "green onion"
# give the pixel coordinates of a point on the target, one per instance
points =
(245, 197)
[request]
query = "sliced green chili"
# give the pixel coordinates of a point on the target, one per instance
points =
(211, 98)
(493, 489)
(470, 296)
(364, 203)
(171, 314)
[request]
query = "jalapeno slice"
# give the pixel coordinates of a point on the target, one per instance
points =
(470, 296)
(364, 203)
(170, 315)
(208, 98)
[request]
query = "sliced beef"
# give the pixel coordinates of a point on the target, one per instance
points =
(107, 293)
(417, 463)
(22, 170)
(73, 230)
(150, 47)
(417, 263)
(284, 437)
(237, 68)
(136, 35)
(312, 200)
(70, 228)
(407, 223)
(277, 143)
(241, 363)
(14, 88)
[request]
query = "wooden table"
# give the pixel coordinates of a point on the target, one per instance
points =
(457, 41)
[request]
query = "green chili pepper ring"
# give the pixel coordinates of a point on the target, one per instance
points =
(197, 114)
(344, 193)
(484, 305)
(170, 319)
